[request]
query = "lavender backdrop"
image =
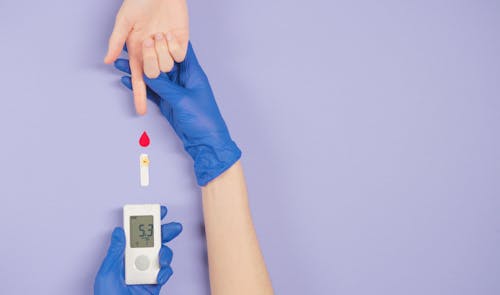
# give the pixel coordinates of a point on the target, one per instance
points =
(370, 132)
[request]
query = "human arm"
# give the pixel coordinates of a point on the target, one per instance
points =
(235, 261)
(110, 279)
(138, 20)
(186, 100)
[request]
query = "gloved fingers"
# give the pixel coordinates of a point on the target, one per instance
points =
(150, 59)
(165, 88)
(123, 65)
(116, 246)
(174, 73)
(191, 74)
(165, 61)
(166, 256)
(126, 81)
(150, 94)
(164, 211)
(191, 58)
(170, 231)
(138, 86)
(164, 274)
(175, 48)
(118, 37)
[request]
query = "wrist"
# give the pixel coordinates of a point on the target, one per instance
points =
(211, 161)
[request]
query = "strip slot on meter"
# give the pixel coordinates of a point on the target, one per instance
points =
(142, 225)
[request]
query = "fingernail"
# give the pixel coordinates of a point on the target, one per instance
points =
(107, 59)
(169, 36)
(159, 36)
(148, 42)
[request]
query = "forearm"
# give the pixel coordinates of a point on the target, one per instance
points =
(185, 98)
(235, 261)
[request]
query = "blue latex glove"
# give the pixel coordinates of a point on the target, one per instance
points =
(186, 100)
(110, 279)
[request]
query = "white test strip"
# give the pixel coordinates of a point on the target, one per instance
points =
(144, 169)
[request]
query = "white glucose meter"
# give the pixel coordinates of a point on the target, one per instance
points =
(142, 225)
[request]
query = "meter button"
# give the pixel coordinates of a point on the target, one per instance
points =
(142, 262)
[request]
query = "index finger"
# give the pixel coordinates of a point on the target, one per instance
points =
(138, 85)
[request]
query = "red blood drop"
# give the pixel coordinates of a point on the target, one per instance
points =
(144, 140)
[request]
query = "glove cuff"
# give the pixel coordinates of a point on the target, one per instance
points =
(210, 162)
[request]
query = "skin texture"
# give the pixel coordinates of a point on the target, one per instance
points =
(137, 22)
(235, 260)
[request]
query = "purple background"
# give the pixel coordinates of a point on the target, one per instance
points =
(370, 132)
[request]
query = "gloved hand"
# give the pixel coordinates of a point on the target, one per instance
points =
(186, 100)
(110, 279)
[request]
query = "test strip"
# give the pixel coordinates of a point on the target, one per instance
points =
(144, 169)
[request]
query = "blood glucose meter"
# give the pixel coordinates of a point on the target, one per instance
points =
(142, 225)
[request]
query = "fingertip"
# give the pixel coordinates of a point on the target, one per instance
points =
(139, 96)
(140, 107)
(118, 235)
(164, 275)
(179, 226)
(127, 81)
(164, 211)
(108, 60)
(175, 49)
(117, 231)
(166, 255)
(140, 110)
(123, 65)
(111, 55)
(153, 74)
(170, 231)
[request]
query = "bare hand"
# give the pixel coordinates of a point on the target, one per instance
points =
(137, 22)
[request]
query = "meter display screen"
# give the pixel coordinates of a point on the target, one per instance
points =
(141, 231)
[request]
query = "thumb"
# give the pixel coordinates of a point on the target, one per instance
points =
(118, 37)
(116, 247)
(166, 89)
